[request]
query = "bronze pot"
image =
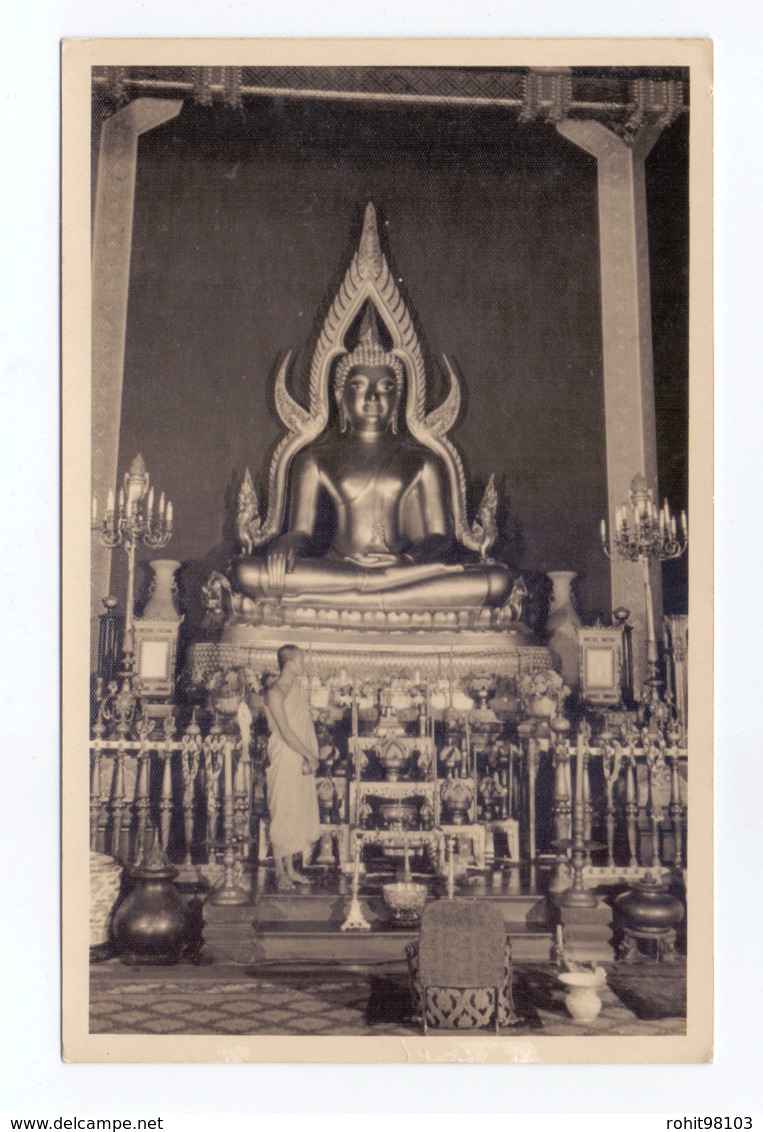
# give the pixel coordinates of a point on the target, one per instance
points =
(648, 907)
(151, 925)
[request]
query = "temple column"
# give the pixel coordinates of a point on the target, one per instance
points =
(631, 436)
(112, 241)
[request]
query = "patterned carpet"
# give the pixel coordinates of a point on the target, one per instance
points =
(303, 1005)
(187, 1000)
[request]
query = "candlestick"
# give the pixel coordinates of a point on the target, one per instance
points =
(355, 920)
(579, 770)
(577, 895)
(652, 537)
(130, 525)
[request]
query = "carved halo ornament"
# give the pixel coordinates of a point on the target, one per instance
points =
(368, 279)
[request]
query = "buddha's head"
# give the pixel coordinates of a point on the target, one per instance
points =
(368, 384)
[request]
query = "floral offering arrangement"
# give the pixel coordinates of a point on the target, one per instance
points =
(545, 684)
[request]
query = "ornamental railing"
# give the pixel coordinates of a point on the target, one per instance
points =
(183, 780)
(176, 781)
(633, 795)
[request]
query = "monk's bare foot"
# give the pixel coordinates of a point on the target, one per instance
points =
(299, 878)
(284, 883)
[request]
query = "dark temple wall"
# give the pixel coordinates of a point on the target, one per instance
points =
(244, 225)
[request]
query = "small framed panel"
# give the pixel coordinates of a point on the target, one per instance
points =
(601, 665)
(155, 652)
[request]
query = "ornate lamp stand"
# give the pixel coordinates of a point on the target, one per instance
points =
(131, 523)
(642, 534)
(578, 896)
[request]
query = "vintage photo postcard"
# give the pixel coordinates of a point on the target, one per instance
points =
(387, 467)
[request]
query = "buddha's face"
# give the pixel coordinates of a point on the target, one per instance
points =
(369, 399)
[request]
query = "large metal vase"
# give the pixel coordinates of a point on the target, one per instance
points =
(151, 925)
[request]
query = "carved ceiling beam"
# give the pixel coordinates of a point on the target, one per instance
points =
(625, 101)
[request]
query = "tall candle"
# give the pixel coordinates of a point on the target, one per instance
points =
(579, 772)
(95, 510)
(110, 501)
(150, 504)
(169, 514)
(228, 769)
(121, 500)
(603, 530)
(684, 526)
(161, 507)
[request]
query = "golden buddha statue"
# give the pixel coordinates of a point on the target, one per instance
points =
(384, 479)
(393, 540)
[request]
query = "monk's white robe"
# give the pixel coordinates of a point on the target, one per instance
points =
(292, 798)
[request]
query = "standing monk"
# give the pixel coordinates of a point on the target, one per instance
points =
(293, 760)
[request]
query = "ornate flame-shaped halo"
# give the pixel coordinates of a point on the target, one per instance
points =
(368, 279)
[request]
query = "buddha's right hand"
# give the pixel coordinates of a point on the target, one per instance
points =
(278, 564)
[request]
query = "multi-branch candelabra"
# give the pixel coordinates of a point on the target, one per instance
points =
(130, 523)
(644, 534)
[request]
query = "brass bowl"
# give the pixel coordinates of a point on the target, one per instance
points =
(405, 900)
(398, 815)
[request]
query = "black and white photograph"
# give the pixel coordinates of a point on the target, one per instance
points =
(381, 736)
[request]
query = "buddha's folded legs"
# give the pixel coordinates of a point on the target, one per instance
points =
(314, 582)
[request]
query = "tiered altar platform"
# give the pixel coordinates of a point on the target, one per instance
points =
(304, 926)
(432, 651)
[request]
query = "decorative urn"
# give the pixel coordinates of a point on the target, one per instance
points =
(562, 625)
(648, 908)
(393, 757)
(151, 925)
(163, 591)
(457, 795)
